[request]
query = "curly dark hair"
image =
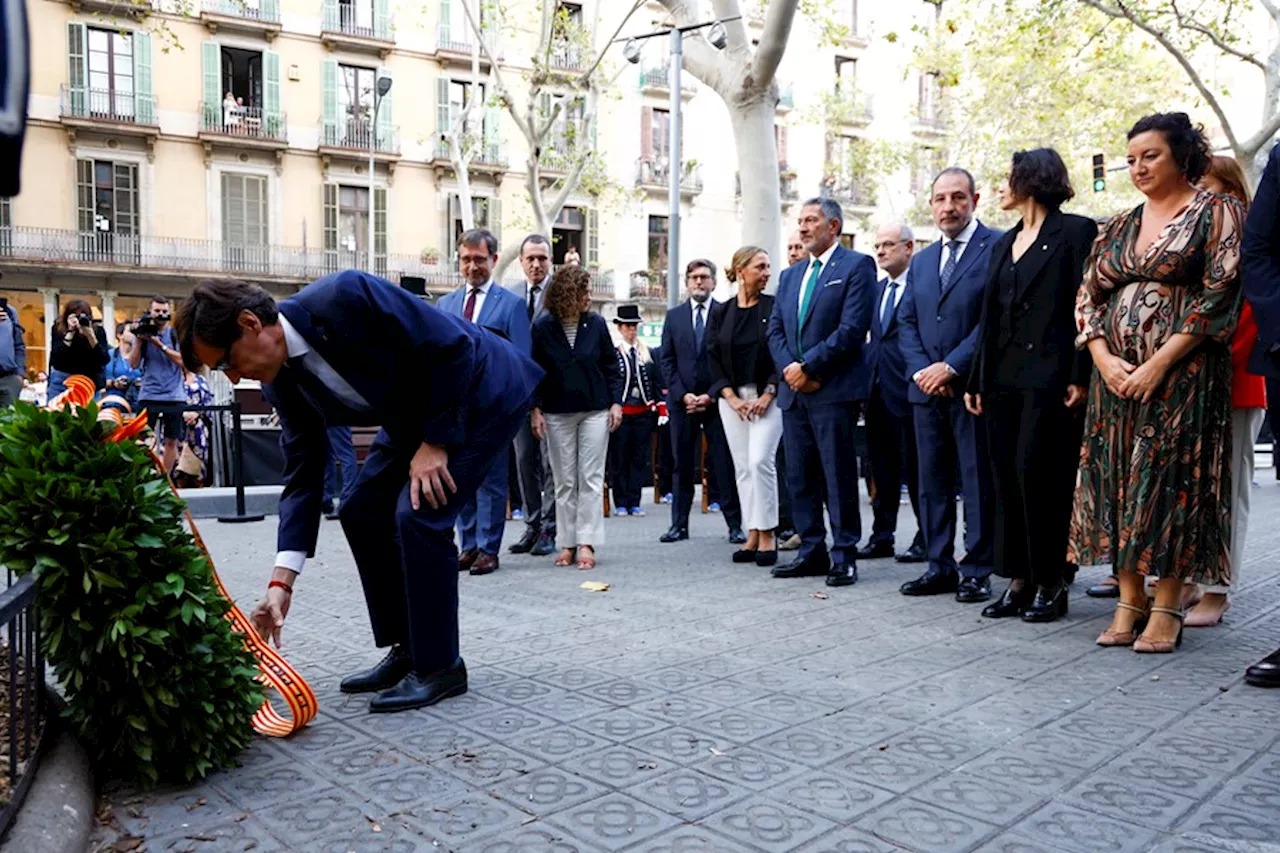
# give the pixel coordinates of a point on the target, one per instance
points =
(1041, 174)
(564, 294)
(1187, 141)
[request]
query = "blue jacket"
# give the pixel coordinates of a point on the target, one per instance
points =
(884, 356)
(943, 326)
(832, 342)
(585, 377)
(501, 311)
(13, 346)
(1260, 273)
(684, 363)
(428, 376)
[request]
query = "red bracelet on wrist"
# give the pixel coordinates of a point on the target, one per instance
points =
(282, 585)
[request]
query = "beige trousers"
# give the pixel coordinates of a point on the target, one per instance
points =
(1245, 425)
(576, 445)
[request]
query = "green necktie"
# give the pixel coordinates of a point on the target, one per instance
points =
(810, 286)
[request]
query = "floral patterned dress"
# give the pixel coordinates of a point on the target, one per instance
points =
(1154, 490)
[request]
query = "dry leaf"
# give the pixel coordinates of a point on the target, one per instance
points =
(883, 747)
(820, 594)
(530, 819)
(595, 586)
(715, 751)
(128, 843)
(197, 804)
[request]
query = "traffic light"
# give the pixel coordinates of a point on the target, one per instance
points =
(1099, 173)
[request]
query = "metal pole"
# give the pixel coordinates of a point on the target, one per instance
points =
(673, 190)
(377, 102)
(237, 471)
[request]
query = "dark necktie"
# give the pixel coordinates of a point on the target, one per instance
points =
(533, 298)
(890, 305)
(699, 325)
(635, 372)
(469, 310)
(949, 268)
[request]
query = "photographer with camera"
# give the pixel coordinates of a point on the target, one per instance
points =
(13, 355)
(121, 378)
(164, 393)
(79, 348)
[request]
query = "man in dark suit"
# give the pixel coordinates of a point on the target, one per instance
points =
(1260, 277)
(692, 411)
(819, 325)
(533, 465)
(891, 435)
(482, 520)
(449, 396)
(940, 315)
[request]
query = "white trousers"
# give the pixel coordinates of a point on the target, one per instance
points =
(754, 448)
(576, 445)
(1245, 425)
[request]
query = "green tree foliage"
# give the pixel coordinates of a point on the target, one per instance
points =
(159, 687)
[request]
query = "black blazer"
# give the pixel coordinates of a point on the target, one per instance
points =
(684, 363)
(720, 328)
(1039, 332)
(584, 378)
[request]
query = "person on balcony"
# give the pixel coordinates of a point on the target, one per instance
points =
(230, 113)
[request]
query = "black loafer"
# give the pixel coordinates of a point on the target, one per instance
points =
(1266, 672)
(742, 555)
(875, 551)
(386, 673)
(1049, 605)
(932, 582)
(914, 554)
(416, 690)
(844, 574)
(1104, 589)
(973, 590)
(812, 566)
(736, 536)
(675, 534)
(526, 543)
(1012, 603)
(766, 558)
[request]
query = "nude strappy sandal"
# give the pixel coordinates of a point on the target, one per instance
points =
(1160, 647)
(1125, 638)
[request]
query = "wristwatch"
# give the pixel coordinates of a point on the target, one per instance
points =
(771, 389)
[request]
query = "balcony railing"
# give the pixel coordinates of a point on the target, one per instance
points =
(358, 135)
(651, 285)
(107, 105)
(567, 57)
(853, 192)
(267, 11)
(654, 173)
(658, 78)
(485, 157)
(455, 40)
(931, 123)
(343, 18)
(247, 122)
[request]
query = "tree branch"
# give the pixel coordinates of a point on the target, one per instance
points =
(1273, 9)
(1195, 27)
(773, 41)
(500, 87)
(582, 79)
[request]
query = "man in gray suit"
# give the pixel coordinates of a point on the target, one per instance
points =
(537, 489)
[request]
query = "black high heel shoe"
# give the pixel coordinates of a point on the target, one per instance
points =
(766, 558)
(1012, 603)
(745, 555)
(1049, 605)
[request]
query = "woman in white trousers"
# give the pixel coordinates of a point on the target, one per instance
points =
(744, 377)
(579, 405)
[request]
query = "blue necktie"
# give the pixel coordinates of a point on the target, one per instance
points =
(886, 316)
(949, 268)
(699, 326)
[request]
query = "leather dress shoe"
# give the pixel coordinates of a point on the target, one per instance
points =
(932, 582)
(485, 564)
(843, 574)
(1012, 603)
(676, 533)
(417, 690)
(1049, 605)
(766, 559)
(875, 550)
(1266, 672)
(526, 543)
(466, 559)
(736, 536)
(545, 545)
(804, 567)
(1104, 589)
(914, 554)
(973, 590)
(384, 674)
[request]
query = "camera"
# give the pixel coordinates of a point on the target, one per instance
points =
(86, 320)
(149, 325)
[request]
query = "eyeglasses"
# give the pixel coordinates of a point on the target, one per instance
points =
(887, 244)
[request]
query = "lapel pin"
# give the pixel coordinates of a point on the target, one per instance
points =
(1044, 247)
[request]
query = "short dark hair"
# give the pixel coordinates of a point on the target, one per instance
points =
(1187, 141)
(212, 314)
(162, 299)
(1041, 174)
(699, 262)
(955, 170)
(830, 208)
(534, 238)
(477, 237)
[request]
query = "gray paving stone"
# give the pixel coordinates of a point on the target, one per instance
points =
(831, 796)
(1176, 776)
(613, 821)
(459, 822)
(681, 745)
(320, 813)
(975, 796)
(1011, 842)
(558, 744)
(535, 838)
(547, 789)
(621, 724)
(687, 794)
(1129, 799)
(769, 825)
(1082, 831)
(438, 742)
(737, 725)
(920, 826)
(414, 789)
(692, 839)
(234, 836)
(618, 766)
(885, 770)
(804, 744)
(847, 839)
(1041, 777)
(750, 768)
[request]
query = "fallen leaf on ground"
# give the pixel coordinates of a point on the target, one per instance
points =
(820, 594)
(197, 804)
(715, 751)
(373, 824)
(124, 845)
(595, 586)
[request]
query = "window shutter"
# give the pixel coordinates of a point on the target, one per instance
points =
(443, 117)
(446, 238)
(445, 29)
(380, 231)
(271, 93)
(646, 133)
(270, 9)
(329, 118)
(495, 218)
(593, 238)
(331, 227)
(782, 144)
(233, 209)
(381, 19)
(84, 196)
(384, 113)
(77, 72)
(144, 103)
(211, 64)
(330, 13)
(125, 191)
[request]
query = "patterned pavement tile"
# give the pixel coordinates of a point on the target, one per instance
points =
(885, 769)
(534, 838)
(459, 822)
(556, 745)
(613, 821)
(830, 796)
(487, 765)
(414, 789)
(692, 839)
(805, 744)
(1129, 799)
(318, 813)
(681, 745)
(736, 725)
(918, 825)
(547, 790)
(1086, 832)
(621, 724)
(847, 839)
(978, 797)
(441, 741)
(1036, 775)
(768, 825)
(618, 766)
(747, 767)
(687, 794)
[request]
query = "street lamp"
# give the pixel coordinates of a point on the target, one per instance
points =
(380, 90)
(718, 38)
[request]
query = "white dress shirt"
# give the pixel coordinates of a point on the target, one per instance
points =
(896, 292)
(963, 238)
(481, 295)
(825, 257)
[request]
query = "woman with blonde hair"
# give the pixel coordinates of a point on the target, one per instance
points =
(745, 379)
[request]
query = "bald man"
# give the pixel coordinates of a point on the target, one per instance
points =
(891, 439)
(795, 248)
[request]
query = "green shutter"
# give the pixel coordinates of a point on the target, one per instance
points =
(330, 227)
(329, 118)
(384, 112)
(144, 103)
(380, 231)
(446, 231)
(445, 28)
(77, 72)
(270, 10)
(271, 93)
(593, 239)
(495, 218)
(330, 15)
(211, 63)
(443, 118)
(381, 19)
(84, 196)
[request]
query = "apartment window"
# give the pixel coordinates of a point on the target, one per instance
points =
(356, 16)
(6, 226)
(928, 162)
(244, 221)
(110, 64)
(242, 75)
(485, 213)
(846, 75)
(241, 91)
(570, 13)
(659, 230)
(929, 97)
(655, 134)
(346, 227)
(355, 93)
(568, 230)
(107, 208)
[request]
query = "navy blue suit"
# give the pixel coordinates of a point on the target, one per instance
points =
(685, 367)
(891, 434)
(428, 377)
(482, 520)
(1260, 273)
(943, 326)
(818, 427)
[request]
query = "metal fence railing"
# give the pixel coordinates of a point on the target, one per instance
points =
(236, 120)
(22, 694)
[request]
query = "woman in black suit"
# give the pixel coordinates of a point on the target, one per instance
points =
(1029, 382)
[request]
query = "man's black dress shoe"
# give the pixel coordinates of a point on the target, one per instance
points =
(843, 574)
(416, 690)
(526, 543)
(875, 551)
(736, 536)
(932, 582)
(1264, 673)
(675, 534)
(914, 554)
(545, 545)
(386, 673)
(973, 590)
(1049, 605)
(1104, 590)
(804, 567)
(1012, 603)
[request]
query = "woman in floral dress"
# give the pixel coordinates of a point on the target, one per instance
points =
(1157, 308)
(195, 434)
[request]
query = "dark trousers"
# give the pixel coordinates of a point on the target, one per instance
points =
(666, 459)
(891, 446)
(785, 521)
(686, 429)
(630, 450)
(341, 468)
(407, 559)
(948, 437)
(822, 462)
(537, 487)
(1034, 448)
